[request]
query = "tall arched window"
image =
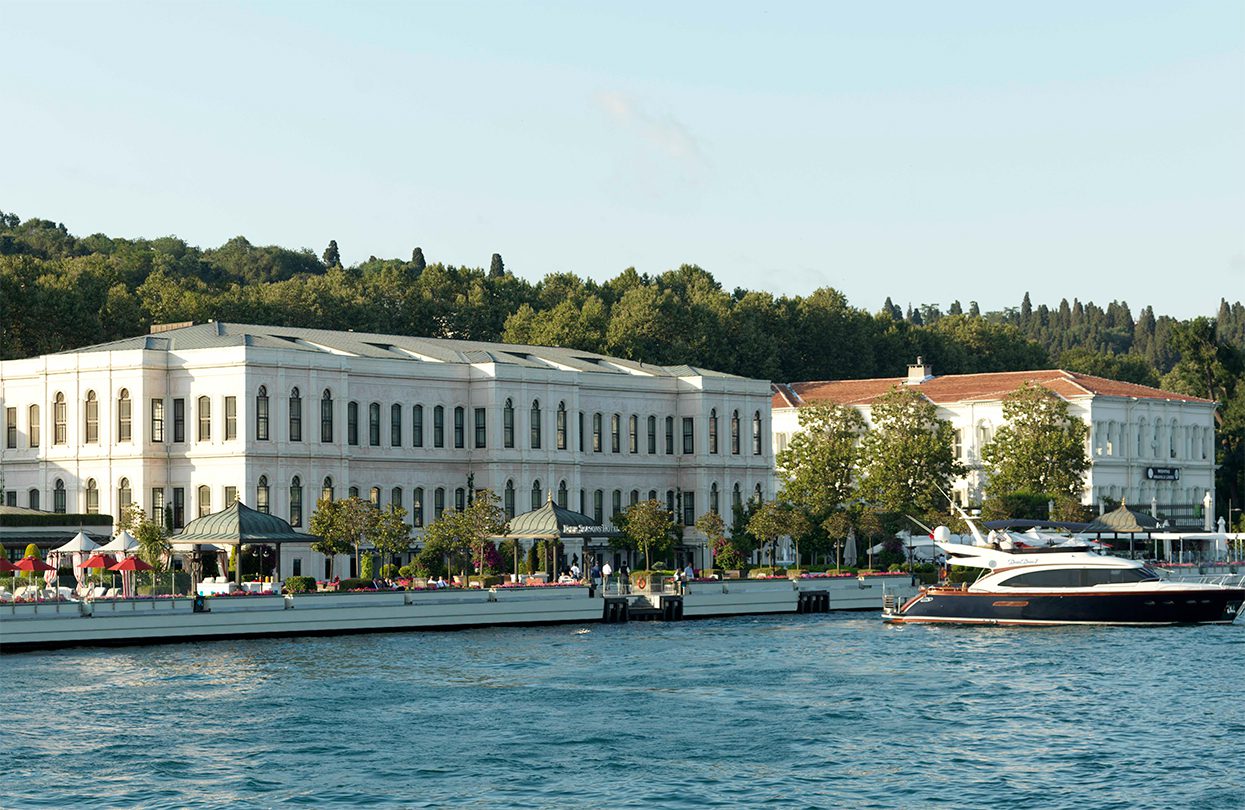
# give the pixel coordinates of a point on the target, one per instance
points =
(60, 427)
(205, 419)
(670, 435)
(756, 433)
(261, 414)
(326, 417)
(438, 426)
(92, 497)
(460, 427)
(616, 505)
(670, 504)
(395, 497)
(633, 434)
(373, 497)
(32, 498)
(417, 426)
(536, 501)
(373, 424)
(735, 432)
(124, 416)
(91, 411)
(438, 502)
(460, 500)
(507, 423)
(417, 507)
(58, 496)
(205, 500)
(508, 498)
(296, 501)
(326, 489)
(34, 426)
(598, 507)
(395, 425)
(713, 430)
(125, 495)
(352, 492)
(652, 494)
(759, 493)
(296, 416)
(635, 497)
(652, 435)
(737, 497)
(536, 424)
(615, 433)
(714, 498)
(352, 423)
(596, 433)
(563, 494)
(561, 426)
(261, 495)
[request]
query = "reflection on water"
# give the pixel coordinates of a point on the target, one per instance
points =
(815, 711)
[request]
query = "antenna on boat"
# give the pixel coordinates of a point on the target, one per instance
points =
(968, 519)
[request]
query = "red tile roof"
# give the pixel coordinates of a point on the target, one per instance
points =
(967, 388)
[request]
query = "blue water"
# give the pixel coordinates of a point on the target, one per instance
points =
(796, 711)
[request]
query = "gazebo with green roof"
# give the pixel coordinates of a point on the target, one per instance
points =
(240, 525)
(554, 522)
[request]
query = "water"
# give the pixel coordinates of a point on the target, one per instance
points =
(795, 711)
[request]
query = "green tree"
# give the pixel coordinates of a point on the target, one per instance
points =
(775, 519)
(340, 526)
(1040, 449)
(908, 455)
(816, 468)
(486, 519)
(496, 266)
(389, 534)
(332, 257)
(711, 525)
(649, 527)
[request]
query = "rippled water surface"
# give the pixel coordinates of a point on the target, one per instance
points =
(794, 711)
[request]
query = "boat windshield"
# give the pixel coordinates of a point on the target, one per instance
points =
(1078, 577)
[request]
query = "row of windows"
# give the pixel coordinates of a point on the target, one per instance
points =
(479, 425)
(681, 503)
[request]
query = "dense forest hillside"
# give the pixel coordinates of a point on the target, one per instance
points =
(59, 291)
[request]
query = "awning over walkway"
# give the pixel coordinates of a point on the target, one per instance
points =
(553, 522)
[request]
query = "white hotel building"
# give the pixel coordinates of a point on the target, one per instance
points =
(1146, 446)
(191, 417)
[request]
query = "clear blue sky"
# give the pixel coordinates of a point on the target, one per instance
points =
(926, 151)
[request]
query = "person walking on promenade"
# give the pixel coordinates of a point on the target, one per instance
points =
(624, 577)
(606, 570)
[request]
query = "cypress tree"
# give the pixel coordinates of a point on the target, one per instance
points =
(417, 259)
(332, 258)
(496, 266)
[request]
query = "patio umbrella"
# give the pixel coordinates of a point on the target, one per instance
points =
(8, 567)
(129, 564)
(32, 564)
(849, 553)
(100, 561)
(76, 548)
(123, 543)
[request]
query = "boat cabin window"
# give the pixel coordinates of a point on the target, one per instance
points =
(1078, 578)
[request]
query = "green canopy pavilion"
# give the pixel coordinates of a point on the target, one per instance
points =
(557, 523)
(237, 526)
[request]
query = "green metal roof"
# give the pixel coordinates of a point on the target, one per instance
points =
(237, 525)
(552, 521)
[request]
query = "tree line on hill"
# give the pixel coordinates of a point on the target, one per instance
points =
(59, 291)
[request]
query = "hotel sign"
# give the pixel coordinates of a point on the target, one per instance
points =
(1162, 473)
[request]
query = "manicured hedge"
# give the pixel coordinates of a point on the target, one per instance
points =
(300, 584)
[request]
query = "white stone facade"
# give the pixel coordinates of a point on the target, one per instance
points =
(344, 411)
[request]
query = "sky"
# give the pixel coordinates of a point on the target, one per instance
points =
(929, 152)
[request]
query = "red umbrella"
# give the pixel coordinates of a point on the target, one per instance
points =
(131, 564)
(98, 561)
(32, 564)
(6, 566)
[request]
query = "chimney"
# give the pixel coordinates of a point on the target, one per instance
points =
(919, 372)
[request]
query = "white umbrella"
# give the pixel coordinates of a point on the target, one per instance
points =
(849, 553)
(123, 543)
(79, 545)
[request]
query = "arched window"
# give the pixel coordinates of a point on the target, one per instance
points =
(598, 507)
(417, 507)
(615, 505)
(507, 423)
(670, 435)
(635, 497)
(58, 496)
(460, 500)
(714, 498)
(34, 426)
(615, 433)
(205, 500)
(652, 494)
(205, 419)
(536, 499)
(737, 497)
(124, 416)
(759, 493)
(652, 435)
(373, 497)
(596, 433)
(60, 427)
(460, 426)
(352, 492)
(395, 425)
(713, 431)
(438, 427)
(373, 424)
(326, 489)
(125, 495)
(417, 426)
(536, 424)
(1171, 440)
(326, 417)
(261, 414)
(735, 432)
(561, 426)
(563, 494)
(33, 498)
(352, 423)
(395, 498)
(508, 498)
(756, 433)
(438, 502)
(92, 497)
(296, 416)
(91, 410)
(261, 495)
(296, 501)
(670, 501)
(633, 434)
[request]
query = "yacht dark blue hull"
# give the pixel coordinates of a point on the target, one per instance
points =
(1155, 607)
